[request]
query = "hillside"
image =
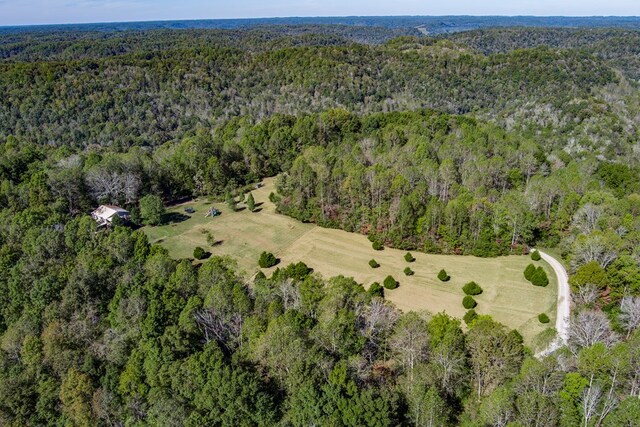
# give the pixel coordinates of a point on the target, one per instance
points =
(620, 48)
(150, 96)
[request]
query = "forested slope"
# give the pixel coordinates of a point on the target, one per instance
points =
(147, 98)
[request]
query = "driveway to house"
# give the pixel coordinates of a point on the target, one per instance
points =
(564, 305)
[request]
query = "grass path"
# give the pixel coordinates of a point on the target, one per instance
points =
(507, 296)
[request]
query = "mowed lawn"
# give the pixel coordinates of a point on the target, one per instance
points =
(507, 296)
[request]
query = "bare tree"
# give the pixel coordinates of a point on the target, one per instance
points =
(589, 402)
(449, 367)
(377, 319)
(290, 294)
(214, 327)
(598, 246)
(410, 342)
(586, 295)
(630, 313)
(590, 327)
(586, 218)
(104, 184)
(130, 187)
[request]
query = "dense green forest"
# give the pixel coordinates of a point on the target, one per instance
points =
(485, 145)
(148, 97)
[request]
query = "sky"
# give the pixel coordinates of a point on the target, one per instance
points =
(25, 12)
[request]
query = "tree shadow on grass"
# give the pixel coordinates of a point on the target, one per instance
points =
(174, 218)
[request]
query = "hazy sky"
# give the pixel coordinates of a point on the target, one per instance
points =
(21, 12)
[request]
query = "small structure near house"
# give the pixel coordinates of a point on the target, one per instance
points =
(105, 214)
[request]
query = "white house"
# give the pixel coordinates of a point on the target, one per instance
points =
(105, 214)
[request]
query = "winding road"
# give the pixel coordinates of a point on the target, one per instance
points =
(564, 305)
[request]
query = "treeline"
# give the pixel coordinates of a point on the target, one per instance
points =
(152, 96)
(77, 45)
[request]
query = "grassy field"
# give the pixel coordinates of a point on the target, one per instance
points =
(507, 296)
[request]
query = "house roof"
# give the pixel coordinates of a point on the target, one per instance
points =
(106, 212)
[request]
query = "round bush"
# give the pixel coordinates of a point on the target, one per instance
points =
(535, 255)
(470, 316)
(267, 259)
(199, 253)
(543, 318)
(472, 288)
(408, 257)
(468, 302)
(390, 283)
(373, 263)
(376, 290)
(529, 271)
(443, 276)
(539, 278)
(408, 272)
(377, 246)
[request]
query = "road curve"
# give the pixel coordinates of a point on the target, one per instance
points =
(564, 304)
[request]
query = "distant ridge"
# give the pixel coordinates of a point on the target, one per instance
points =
(430, 24)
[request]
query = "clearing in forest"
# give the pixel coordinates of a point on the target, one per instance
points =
(507, 296)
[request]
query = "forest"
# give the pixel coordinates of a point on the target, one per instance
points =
(484, 143)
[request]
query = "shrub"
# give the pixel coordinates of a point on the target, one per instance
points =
(443, 276)
(529, 271)
(408, 257)
(543, 318)
(535, 255)
(408, 272)
(539, 278)
(377, 246)
(470, 316)
(390, 283)
(468, 302)
(373, 263)
(199, 253)
(371, 237)
(376, 290)
(267, 259)
(472, 288)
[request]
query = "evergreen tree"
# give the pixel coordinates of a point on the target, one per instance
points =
(151, 209)
(251, 203)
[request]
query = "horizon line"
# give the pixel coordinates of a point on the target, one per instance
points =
(310, 17)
